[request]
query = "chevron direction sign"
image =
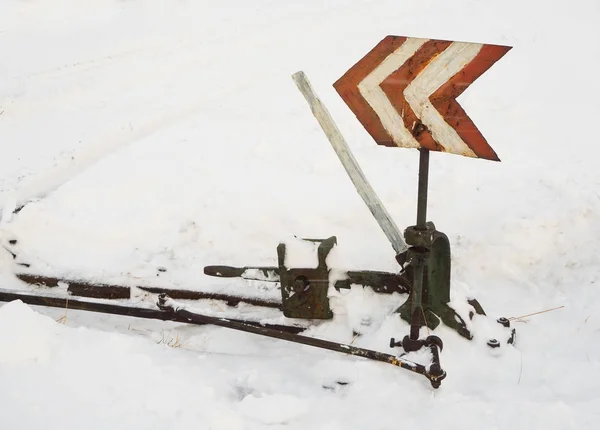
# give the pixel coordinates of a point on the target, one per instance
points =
(404, 93)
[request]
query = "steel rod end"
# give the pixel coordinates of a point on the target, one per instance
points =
(163, 302)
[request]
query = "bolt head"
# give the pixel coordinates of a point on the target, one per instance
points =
(504, 321)
(493, 343)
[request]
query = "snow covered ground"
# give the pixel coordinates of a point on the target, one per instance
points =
(170, 134)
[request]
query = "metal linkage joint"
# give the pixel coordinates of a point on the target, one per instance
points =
(434, 372)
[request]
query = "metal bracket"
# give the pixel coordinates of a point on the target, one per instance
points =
(304, 291)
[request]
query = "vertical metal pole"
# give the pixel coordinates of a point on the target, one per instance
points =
(417, 298)
(421, 255)
(423, 183)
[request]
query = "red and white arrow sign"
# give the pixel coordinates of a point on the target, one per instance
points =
(404, 93)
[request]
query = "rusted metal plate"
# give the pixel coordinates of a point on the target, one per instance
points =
(404, 93)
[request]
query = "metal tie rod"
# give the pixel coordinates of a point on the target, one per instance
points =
(166, 303)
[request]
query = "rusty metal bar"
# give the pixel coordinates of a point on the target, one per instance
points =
(83, 288)
(169, 312)
(109, 308)
(164, 302)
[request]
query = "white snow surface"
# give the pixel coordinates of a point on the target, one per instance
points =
(169, 134)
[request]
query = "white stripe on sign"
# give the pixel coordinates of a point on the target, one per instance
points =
(371, 91)
(451, 61)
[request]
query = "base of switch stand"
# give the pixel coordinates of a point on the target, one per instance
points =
(434, 296)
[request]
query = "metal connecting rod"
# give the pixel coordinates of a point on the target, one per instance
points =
(55, 301)
(169, 310)
(165, 303)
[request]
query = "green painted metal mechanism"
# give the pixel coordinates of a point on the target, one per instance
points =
(430, 306)
(304, 291)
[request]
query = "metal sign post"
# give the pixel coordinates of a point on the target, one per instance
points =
(420, 254)
(404, 93)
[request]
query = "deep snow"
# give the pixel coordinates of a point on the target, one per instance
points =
(208, 154)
